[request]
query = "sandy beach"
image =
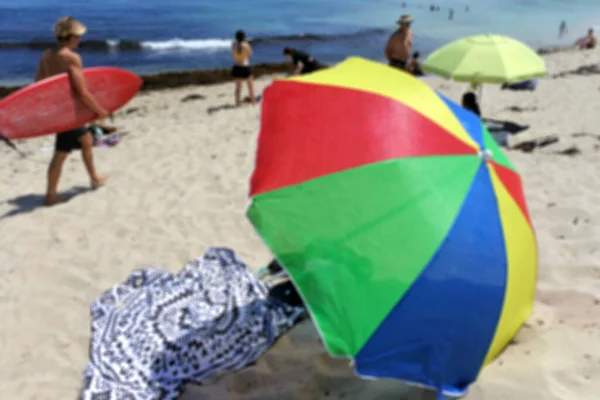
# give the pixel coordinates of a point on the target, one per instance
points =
(179, 183)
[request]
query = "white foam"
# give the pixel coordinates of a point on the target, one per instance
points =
(187, 44)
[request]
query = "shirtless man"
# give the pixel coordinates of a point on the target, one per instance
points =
(399, 45)
(62, 59)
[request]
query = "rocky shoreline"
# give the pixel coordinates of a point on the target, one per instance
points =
(169, 80)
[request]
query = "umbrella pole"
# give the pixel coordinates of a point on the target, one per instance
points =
(478, 89)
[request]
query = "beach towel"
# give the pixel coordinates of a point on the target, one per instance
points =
(157, 331)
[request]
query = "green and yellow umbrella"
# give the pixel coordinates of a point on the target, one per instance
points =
(485, 59)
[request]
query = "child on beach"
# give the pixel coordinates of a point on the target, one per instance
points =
(241, 71)
(59, 60)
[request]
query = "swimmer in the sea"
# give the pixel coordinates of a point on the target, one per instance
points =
(562, 30)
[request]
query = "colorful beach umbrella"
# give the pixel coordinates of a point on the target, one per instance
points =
(486, 59)
(399, 219)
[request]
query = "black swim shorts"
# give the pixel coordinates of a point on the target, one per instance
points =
(69, 140)
(241, 72)
(311, 67)
(398, 64)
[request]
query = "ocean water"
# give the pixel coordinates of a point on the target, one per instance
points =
(155, 35)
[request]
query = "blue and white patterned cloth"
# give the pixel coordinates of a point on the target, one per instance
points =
(157, 330)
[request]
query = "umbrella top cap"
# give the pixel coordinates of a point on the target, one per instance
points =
(486, 155)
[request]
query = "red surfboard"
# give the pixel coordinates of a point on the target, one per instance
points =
(49, 106)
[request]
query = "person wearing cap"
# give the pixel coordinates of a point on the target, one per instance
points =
(63, 59)
(399, 45)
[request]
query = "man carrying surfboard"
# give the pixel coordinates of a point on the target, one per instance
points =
(56, 61)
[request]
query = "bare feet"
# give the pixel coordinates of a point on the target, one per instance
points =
(99, 181)
(52, 200)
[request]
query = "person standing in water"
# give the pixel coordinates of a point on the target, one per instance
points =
(562, 29)
(241, 71)
(63, 59)
(399, 45)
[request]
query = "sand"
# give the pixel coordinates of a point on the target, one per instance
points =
(179, 184)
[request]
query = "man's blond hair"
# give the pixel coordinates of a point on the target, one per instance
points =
(67, 27)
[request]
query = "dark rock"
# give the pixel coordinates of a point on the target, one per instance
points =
(570, 151)
(521, 109)
(132, 110)
(584, 70)
(585, 134)
(205, 77)
(529, 145)
(168, 80)
(554, 49)
(191, 97)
